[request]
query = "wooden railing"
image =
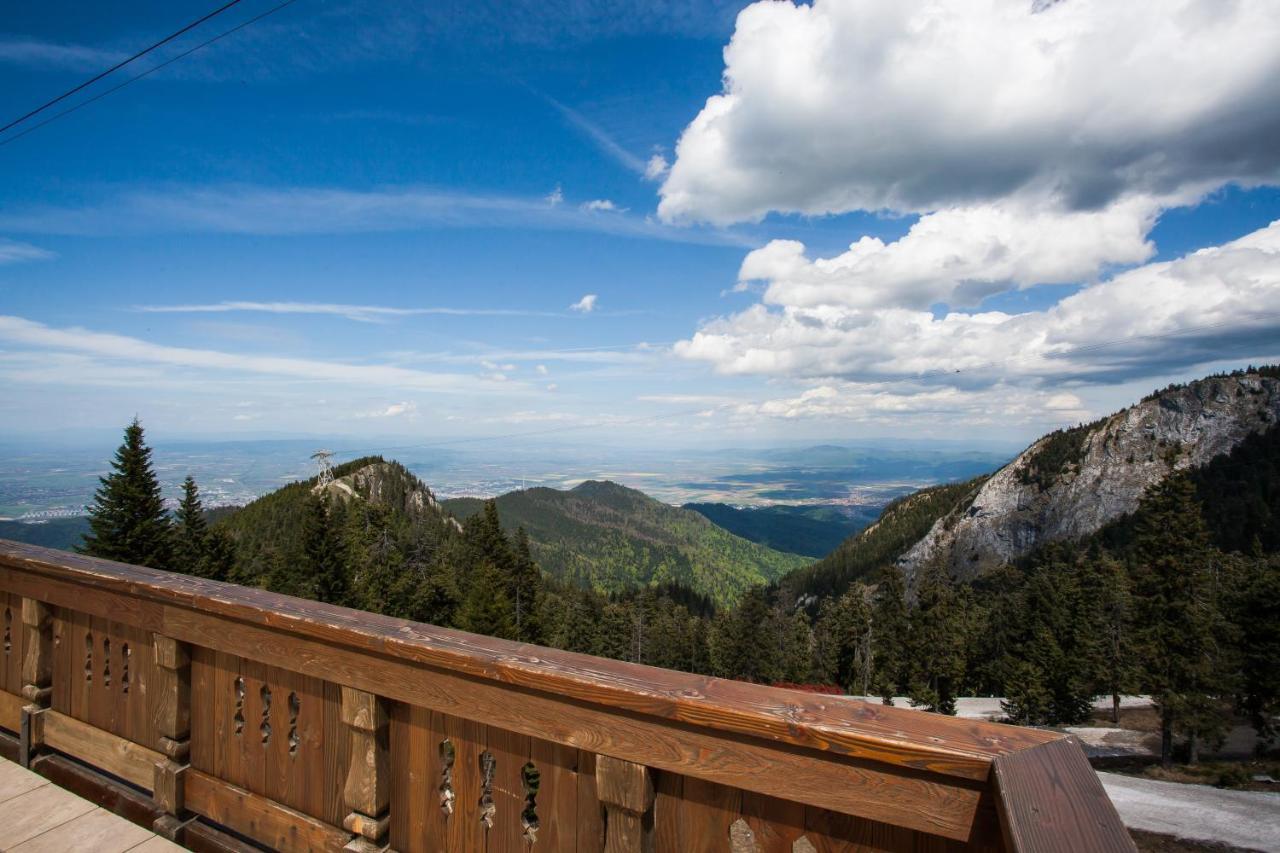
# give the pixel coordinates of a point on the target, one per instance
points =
(224, 714)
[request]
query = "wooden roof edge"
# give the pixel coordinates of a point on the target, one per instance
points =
(833, 724)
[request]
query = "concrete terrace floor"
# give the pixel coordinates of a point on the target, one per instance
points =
(37, 815)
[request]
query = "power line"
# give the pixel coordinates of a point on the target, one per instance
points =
(120, 64)
(149, 71)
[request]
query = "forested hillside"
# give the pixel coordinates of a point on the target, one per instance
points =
(812, 531)
(64, 533)
(609, 538)
(902, 523)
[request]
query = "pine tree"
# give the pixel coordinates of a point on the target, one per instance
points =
(219, 562)
(325, 558)
(127, 520)
(1177, 616)
(1115, 672)
(892, 633)
(937, 642)
(526, 590)
(1259, 619)
(191, 531)
(486, 608)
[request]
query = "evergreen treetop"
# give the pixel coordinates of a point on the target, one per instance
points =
(127, 520)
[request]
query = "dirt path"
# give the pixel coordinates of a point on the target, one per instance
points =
(1247, 819)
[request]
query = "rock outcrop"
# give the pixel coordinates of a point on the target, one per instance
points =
(1071, 483)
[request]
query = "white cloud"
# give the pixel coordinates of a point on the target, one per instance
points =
(602, 138)
(915, 105)
(360, 313)
(262, 210)
(586, 304)
(657, 167)
(1213, 304)
(602, 205)
(393, 410)
(74, 57)
(13, 252)
(542, 370)
(957, 256)
(115, 348)
(551, 386)
(555, 197)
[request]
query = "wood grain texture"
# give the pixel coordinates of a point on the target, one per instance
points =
(1051, 801)
(10, 710)
(264, 820)
(837, 724)
(37, 659)
(924, 801)
(101, 749)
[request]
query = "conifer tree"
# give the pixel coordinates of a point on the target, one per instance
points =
(219, 561)
(526, 590)
(891, 638)
(486, 608)
(937, 642)
(1177, 616)
(190, 531)
(327, 571)
(1259, 619)
(1115, 669)
(127, 520)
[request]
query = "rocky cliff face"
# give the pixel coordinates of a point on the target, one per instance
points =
(384, 483)
(1069, 484)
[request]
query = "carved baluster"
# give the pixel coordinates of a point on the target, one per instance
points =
(367, 793)
(626, 791)
(172, 678)
(37, 676)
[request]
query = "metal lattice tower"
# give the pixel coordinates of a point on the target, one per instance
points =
(324, 467)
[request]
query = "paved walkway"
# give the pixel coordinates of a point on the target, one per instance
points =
(1248, 819)
(38, 816)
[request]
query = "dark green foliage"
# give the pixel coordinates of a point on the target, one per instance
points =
(1258, 615)
(1179, 626)
(1057, 453)
(325, 549)
(813, 531)
(1240, 495)
(66, 534)
(486, 609)
(903, 523)
(128, 521)
(197, 550)
(891, 623)
(936, 644)
(609, 538)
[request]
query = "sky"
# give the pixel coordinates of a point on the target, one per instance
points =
(639, 223)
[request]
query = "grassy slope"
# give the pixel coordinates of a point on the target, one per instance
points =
(613, 538)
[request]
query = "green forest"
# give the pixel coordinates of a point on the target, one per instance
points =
(1180, 599)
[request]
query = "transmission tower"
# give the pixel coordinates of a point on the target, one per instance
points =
(324, 467)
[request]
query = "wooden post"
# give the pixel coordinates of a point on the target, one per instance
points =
(172, 676)
(37, 676)
(626, 790)
(367, 792)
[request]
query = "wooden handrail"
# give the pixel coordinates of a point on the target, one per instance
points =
(927, 772)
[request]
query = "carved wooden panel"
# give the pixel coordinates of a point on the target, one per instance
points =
(699, 817)
(458, 785)
(271, 731)
(102, 672)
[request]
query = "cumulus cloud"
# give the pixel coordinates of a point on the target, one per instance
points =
(957, 256)
(1211, 304)
(914, 106)
(586, 304)
(601, 205)
(394, 410)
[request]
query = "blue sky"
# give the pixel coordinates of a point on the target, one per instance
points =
(190, 248)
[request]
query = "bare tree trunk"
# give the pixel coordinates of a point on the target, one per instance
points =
(1193, 748)
(1115, 708)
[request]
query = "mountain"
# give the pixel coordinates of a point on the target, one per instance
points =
(901, 524)
(1082, 481)
(611, 538)
(268, 532)
(809, 530)
(1072, 482)
(64, 533)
